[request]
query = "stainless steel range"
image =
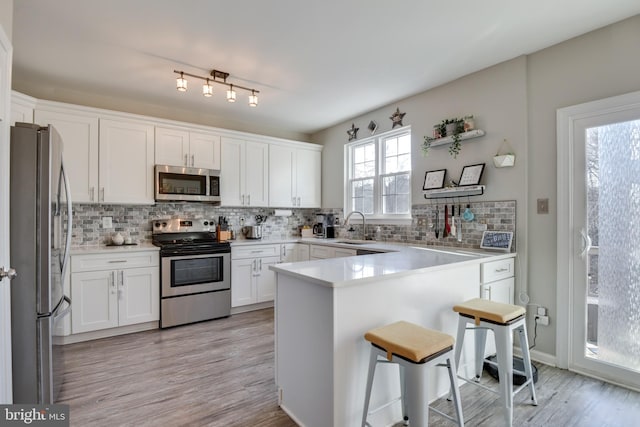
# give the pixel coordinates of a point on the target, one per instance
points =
(195, 271)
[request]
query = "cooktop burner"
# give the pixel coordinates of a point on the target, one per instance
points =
(181, 236)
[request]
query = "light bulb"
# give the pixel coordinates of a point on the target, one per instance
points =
(253, 99)
(231, 94)
(207, 89)
(181, 83)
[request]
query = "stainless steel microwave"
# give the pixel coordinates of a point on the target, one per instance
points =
(177, 183)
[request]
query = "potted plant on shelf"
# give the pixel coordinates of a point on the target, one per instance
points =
(447, 128)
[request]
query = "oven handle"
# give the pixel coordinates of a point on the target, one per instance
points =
(213, 255)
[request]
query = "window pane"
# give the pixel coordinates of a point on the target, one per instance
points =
(404, 163)
(389, 204)
(358, 170)
(357, 204)
(403, 204)
(358, 155)
(391, 165)
(367, 206)
(370, 168)
(356, 189)
(389, 185)
(370, 152)
(391, 147)
(402, 184)
(367, 188)
(404, 144)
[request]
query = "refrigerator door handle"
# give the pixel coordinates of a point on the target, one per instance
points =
(67, 246)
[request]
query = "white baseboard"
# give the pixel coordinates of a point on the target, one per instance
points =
(105, 333)
(251, 307)
(538, 356)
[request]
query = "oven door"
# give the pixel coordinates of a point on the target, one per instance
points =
(191, 274)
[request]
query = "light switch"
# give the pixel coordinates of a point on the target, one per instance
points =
(543, 206)
(107, 222)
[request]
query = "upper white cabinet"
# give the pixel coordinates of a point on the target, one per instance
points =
(22, 108)
(294, 177)
(181, 147)
(244, 176)
(79, 132)
(126, 161)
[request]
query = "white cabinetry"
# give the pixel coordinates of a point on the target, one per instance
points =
(22, 108)
(323, 252)
(294, 252)
(251, 279)
(126, 161)
(294, 177)
(115, 289)
(497, 280)
(79, 132)
(181, 147)
(244, 173)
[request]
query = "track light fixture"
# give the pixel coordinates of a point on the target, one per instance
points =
(219, 77)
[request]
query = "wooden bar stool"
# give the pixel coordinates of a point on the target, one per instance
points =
(503, 320)
(414, 348)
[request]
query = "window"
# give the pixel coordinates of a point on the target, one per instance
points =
(379, 175)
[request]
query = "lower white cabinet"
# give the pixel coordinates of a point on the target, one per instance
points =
(294, 252)
(251, 279)
(497, 280)
(111, 290)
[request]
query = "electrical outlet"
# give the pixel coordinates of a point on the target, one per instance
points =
(542, 311)
(542, 320)
(422, 222)
(543, 206)
(107, 222)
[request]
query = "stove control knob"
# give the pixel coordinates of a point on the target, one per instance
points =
(156, 225)
(206, 223)
(164, 224)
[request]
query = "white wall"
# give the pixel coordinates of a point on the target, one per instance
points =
(516, 100)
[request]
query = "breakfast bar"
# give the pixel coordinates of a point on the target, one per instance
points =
(324, 307)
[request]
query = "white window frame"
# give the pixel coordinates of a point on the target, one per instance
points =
(377, 217)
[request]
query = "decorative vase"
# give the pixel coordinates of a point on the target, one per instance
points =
(117, 239)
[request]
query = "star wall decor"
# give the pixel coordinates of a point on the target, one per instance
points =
(353, 132)
(396, 118)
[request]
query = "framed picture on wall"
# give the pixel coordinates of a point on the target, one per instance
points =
(471, 175)
(434, 179)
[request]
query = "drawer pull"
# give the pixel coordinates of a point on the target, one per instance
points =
(500, 270)
(117, 261)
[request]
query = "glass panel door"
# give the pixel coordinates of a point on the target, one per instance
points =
(606, 289)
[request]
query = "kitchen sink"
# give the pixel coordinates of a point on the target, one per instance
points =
(351, 242)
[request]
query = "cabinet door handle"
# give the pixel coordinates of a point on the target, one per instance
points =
(284, 251)
(113, 282)
(243, 200)
(102, 191)
(193, 160)
(186, 161)
(248, 199)
(260, 264)
(93, 193)
(293, 201)
(298, 201)
(488, 292)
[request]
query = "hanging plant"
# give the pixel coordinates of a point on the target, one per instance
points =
(448, 127)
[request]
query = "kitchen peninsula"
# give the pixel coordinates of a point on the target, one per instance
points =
(324, 307)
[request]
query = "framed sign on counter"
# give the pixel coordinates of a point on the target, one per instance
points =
(497, 240)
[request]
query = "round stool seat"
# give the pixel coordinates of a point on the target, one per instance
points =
(496, 312)
(409, 341)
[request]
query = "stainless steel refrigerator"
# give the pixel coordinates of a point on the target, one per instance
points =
(40, 204)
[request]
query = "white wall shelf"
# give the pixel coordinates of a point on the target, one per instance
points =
(476, 133)
(441, 193)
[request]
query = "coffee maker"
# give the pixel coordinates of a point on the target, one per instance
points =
(330, 231)
(320, 226)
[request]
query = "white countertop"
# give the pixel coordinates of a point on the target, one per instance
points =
(400, 259)
(104, 249)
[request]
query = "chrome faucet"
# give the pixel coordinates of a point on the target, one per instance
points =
(364, 223)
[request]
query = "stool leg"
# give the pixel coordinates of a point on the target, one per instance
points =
(504, 351)
(462, 328)
(480, 342)
(455, 392)
(373, 361)
(403, 394)
(526, 359)
(418, 395)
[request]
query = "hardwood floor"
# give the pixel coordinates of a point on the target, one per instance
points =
(221, 373)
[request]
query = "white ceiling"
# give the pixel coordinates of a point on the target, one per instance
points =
(315, 63)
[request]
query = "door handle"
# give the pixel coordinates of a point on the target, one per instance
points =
(9, 273)
(586, 243)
